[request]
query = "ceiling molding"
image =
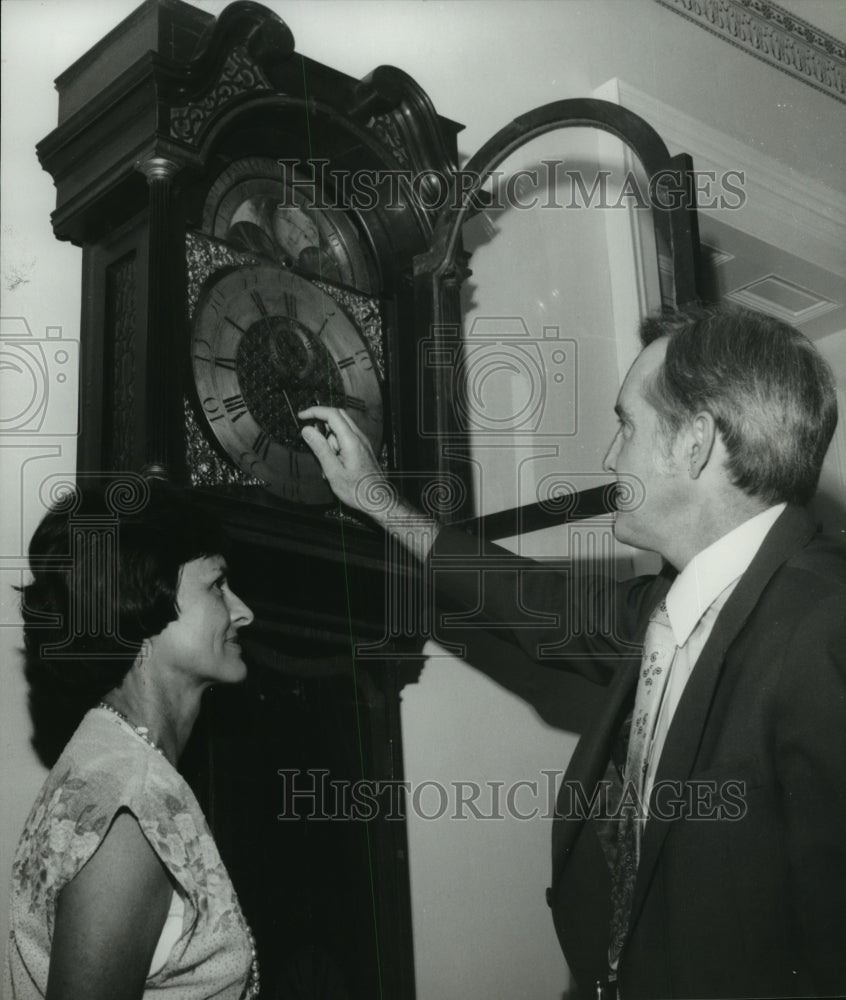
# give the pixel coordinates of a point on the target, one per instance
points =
(780, 251)
(775, 36)
(781, 206)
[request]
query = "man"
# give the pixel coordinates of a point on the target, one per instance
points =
(715, 863)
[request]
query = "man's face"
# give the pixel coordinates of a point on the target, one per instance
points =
(641, 450)
(202, 643)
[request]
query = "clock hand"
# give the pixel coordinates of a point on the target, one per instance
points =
(256, 297)
(291, 409)
(298, 423)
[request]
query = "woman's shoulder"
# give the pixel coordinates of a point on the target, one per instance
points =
(106, 768)
(118, 769)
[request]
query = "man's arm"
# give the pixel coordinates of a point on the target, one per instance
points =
(586, 628)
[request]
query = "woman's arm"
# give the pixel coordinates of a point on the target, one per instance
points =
(109, 918)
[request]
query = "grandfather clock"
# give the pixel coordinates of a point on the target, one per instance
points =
(261, 232)
(249, 220)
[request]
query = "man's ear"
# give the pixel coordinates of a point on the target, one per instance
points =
(703, 434)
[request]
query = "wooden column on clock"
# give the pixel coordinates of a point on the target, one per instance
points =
(180, 136)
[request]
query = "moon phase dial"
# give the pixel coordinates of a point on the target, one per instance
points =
(252, 208)
(267, 343)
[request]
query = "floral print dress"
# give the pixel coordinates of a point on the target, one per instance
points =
(107, 767)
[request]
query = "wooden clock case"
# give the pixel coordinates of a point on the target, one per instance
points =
(148, 119)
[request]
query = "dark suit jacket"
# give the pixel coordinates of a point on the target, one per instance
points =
(741, 889)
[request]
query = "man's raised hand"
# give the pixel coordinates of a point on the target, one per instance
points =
(353, 472)
(346, 457)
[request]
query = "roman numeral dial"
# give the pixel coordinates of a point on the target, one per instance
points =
(267, 343)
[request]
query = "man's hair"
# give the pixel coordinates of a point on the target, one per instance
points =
(105, 563)
(770, 392)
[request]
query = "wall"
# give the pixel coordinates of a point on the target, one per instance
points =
(481, 926)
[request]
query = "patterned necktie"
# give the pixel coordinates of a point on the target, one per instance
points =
(659, 648)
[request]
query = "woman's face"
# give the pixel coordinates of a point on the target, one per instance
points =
(203, 641)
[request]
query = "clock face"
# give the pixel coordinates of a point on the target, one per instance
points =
(266, 343)
(251, 206)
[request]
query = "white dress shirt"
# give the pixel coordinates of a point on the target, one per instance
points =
(694, 601)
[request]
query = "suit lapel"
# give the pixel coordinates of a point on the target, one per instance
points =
(791, 531)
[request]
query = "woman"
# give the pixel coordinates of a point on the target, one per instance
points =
(118, 891)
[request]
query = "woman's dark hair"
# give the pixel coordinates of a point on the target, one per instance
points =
(771, 393)
(105, 564)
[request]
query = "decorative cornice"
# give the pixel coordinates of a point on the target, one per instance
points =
(777, 37)
(782, 207)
